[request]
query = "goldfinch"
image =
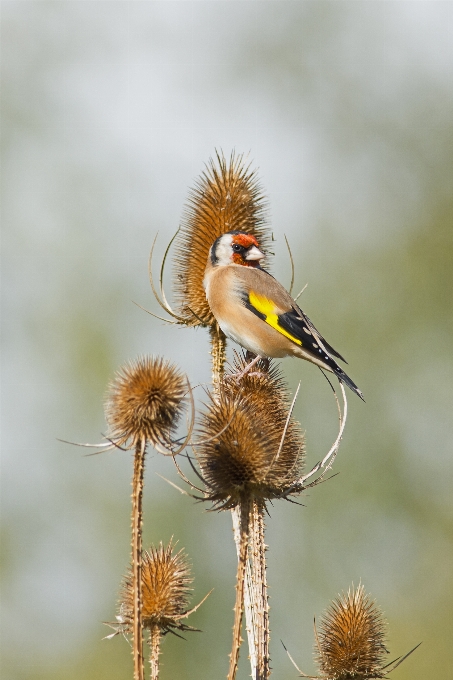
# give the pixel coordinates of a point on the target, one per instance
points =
(254, 309)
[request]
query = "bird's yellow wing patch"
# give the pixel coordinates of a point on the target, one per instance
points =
(266, 309)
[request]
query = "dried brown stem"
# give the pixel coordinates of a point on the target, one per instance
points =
(248, 592)
(137, 519)
(244, 510)
(154, 647)
(259, 587)
(251, 586)
(218, 353)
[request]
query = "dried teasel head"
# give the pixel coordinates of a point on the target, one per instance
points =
(145, 402)
(350, 642)
(226, 197)
(166, 581)
(252, 448)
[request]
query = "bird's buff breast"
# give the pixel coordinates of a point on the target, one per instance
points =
(240, 324)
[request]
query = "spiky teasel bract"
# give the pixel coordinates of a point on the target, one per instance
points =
(226, 197)
(166, 589)
(259, 453)
(145, 402)
(350, 642)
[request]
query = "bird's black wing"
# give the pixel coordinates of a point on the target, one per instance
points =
(302, 318)
(296, 322)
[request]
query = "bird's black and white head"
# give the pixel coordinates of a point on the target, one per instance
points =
(236, 247)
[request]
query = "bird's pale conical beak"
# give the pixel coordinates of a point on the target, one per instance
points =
(254, 253)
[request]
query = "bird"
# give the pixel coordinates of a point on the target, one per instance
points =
(254, 310)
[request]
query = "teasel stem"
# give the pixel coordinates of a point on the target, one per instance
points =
(137, 521)
(154, 646)
(248, 593)
(240, 526)
(244, 580)
(258, 582)
(218, 353)
(244, 513)
(255, 595)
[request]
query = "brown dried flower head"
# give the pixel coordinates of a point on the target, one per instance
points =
(351, 638)
(248, 459)
(145, 402)
(226, 197)
(166, 591)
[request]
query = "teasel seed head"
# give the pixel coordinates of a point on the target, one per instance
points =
(350, 642)
(248, 459)
(226, 197)
(166, 581)
(145, 402)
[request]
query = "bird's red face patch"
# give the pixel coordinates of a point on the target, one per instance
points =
(245, 241)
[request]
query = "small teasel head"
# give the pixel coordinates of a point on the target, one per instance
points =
(226, 197)
(166, 588)
(251, 447)
(351, 639)
(145, 402)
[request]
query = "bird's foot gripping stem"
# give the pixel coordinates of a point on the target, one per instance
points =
(239, 376)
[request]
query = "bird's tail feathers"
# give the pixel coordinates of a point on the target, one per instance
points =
(344, 378)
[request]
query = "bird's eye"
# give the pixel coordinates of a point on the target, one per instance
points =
(237, 248)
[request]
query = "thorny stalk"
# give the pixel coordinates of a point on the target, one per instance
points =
(244, 527)
(259, 592)
(137, 521)
(218, 353)
(255, 596)
(154, 650)
(248, 605)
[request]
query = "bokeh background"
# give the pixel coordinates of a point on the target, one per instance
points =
(110, 110)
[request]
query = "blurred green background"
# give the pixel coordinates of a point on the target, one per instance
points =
(110, 110)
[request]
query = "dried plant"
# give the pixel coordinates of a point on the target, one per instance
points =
(166, 581)
(144, 404)
(226, 197)
(252, 453)
(260, 454)
(351, 641)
